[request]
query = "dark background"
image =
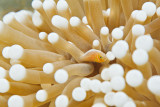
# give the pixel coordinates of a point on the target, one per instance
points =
(13, 5)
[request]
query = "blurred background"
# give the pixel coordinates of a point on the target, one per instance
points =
(13, 5)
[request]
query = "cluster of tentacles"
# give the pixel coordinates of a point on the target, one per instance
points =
(81, 53)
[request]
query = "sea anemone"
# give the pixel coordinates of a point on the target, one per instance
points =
(81, 53)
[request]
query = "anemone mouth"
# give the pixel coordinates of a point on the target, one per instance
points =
(92, 53)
